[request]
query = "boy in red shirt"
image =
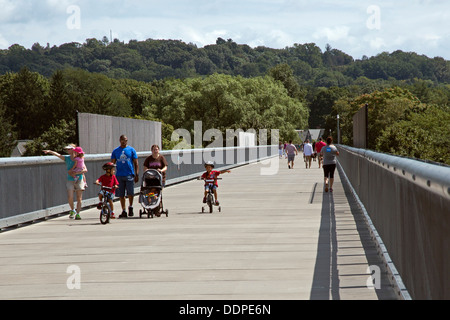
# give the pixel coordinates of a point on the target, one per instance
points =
(319, 146)
(211, 174)
(108, 180)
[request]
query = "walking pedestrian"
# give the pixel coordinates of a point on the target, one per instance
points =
(158, 162)
(319, 145)
(329, 153)
(307, 153)
(75, 183)
(291, 152)
(127, 173)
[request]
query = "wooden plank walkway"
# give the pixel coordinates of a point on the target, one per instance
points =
(277, 237)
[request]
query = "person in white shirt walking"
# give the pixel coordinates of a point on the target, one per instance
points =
(307, 153)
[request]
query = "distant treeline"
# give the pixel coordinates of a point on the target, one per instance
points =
(227, 86)
(159, 59)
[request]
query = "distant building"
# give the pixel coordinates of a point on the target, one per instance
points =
(310, 134)
(19, 150)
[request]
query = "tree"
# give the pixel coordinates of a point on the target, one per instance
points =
(95, 93)
(423, 135)
(384, 108)
(284, 73)
(226, 102)
(60, 102)
(25, 99)
(8, 135)
(55, 138)
(322, 104)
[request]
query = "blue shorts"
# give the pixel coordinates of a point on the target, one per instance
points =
(125, 183)
(207, 187)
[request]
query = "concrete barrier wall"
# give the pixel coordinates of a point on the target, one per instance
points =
(360, 128)
(408, 202)
(34, 188)
(141, 134)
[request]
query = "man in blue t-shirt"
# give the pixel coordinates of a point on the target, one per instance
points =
(127, 173)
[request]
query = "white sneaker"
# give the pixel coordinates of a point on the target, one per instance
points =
(72, 214)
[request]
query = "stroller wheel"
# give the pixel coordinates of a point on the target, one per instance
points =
(167, 212)
(220, 209)
(140, 214)
(203, 209)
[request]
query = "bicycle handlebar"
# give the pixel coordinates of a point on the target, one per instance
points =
(104, 187)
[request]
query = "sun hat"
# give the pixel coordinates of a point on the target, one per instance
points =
(78, 150)
(69, 147)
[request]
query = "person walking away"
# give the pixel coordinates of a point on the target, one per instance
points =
(156, 161)
(307, 152)
(73, 185)
(329, 153)
(127, 173)
(319, 145)
(291, 152)
(280, 150)
(314, 155)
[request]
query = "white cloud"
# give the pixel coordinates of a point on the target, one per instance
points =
(377, 43)
(201, 38)
(59, 5)
(280, 39)
(7, 10)
(413, 25)
(3, 42)
(332, 34)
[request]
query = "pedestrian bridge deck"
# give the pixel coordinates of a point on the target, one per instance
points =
(278, 237)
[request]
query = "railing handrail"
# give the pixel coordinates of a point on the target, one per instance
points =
(35, 160)
(432, 176)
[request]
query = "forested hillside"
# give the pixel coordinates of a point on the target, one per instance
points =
(159, 59)
(226, 85)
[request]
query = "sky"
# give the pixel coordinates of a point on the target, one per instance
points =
(356, 27)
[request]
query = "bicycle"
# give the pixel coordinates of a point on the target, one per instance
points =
(105, 211)
(210, 199)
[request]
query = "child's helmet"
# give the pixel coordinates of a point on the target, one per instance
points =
(108, 165)
(209, 163)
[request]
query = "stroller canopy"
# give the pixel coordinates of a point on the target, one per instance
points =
(151, 178)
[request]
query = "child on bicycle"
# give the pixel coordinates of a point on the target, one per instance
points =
(211, 174)
(108, 180)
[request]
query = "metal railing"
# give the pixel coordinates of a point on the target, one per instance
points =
(408, 202)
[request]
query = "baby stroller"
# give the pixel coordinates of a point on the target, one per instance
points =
(150, 195)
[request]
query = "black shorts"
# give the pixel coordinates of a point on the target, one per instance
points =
(328, 169)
